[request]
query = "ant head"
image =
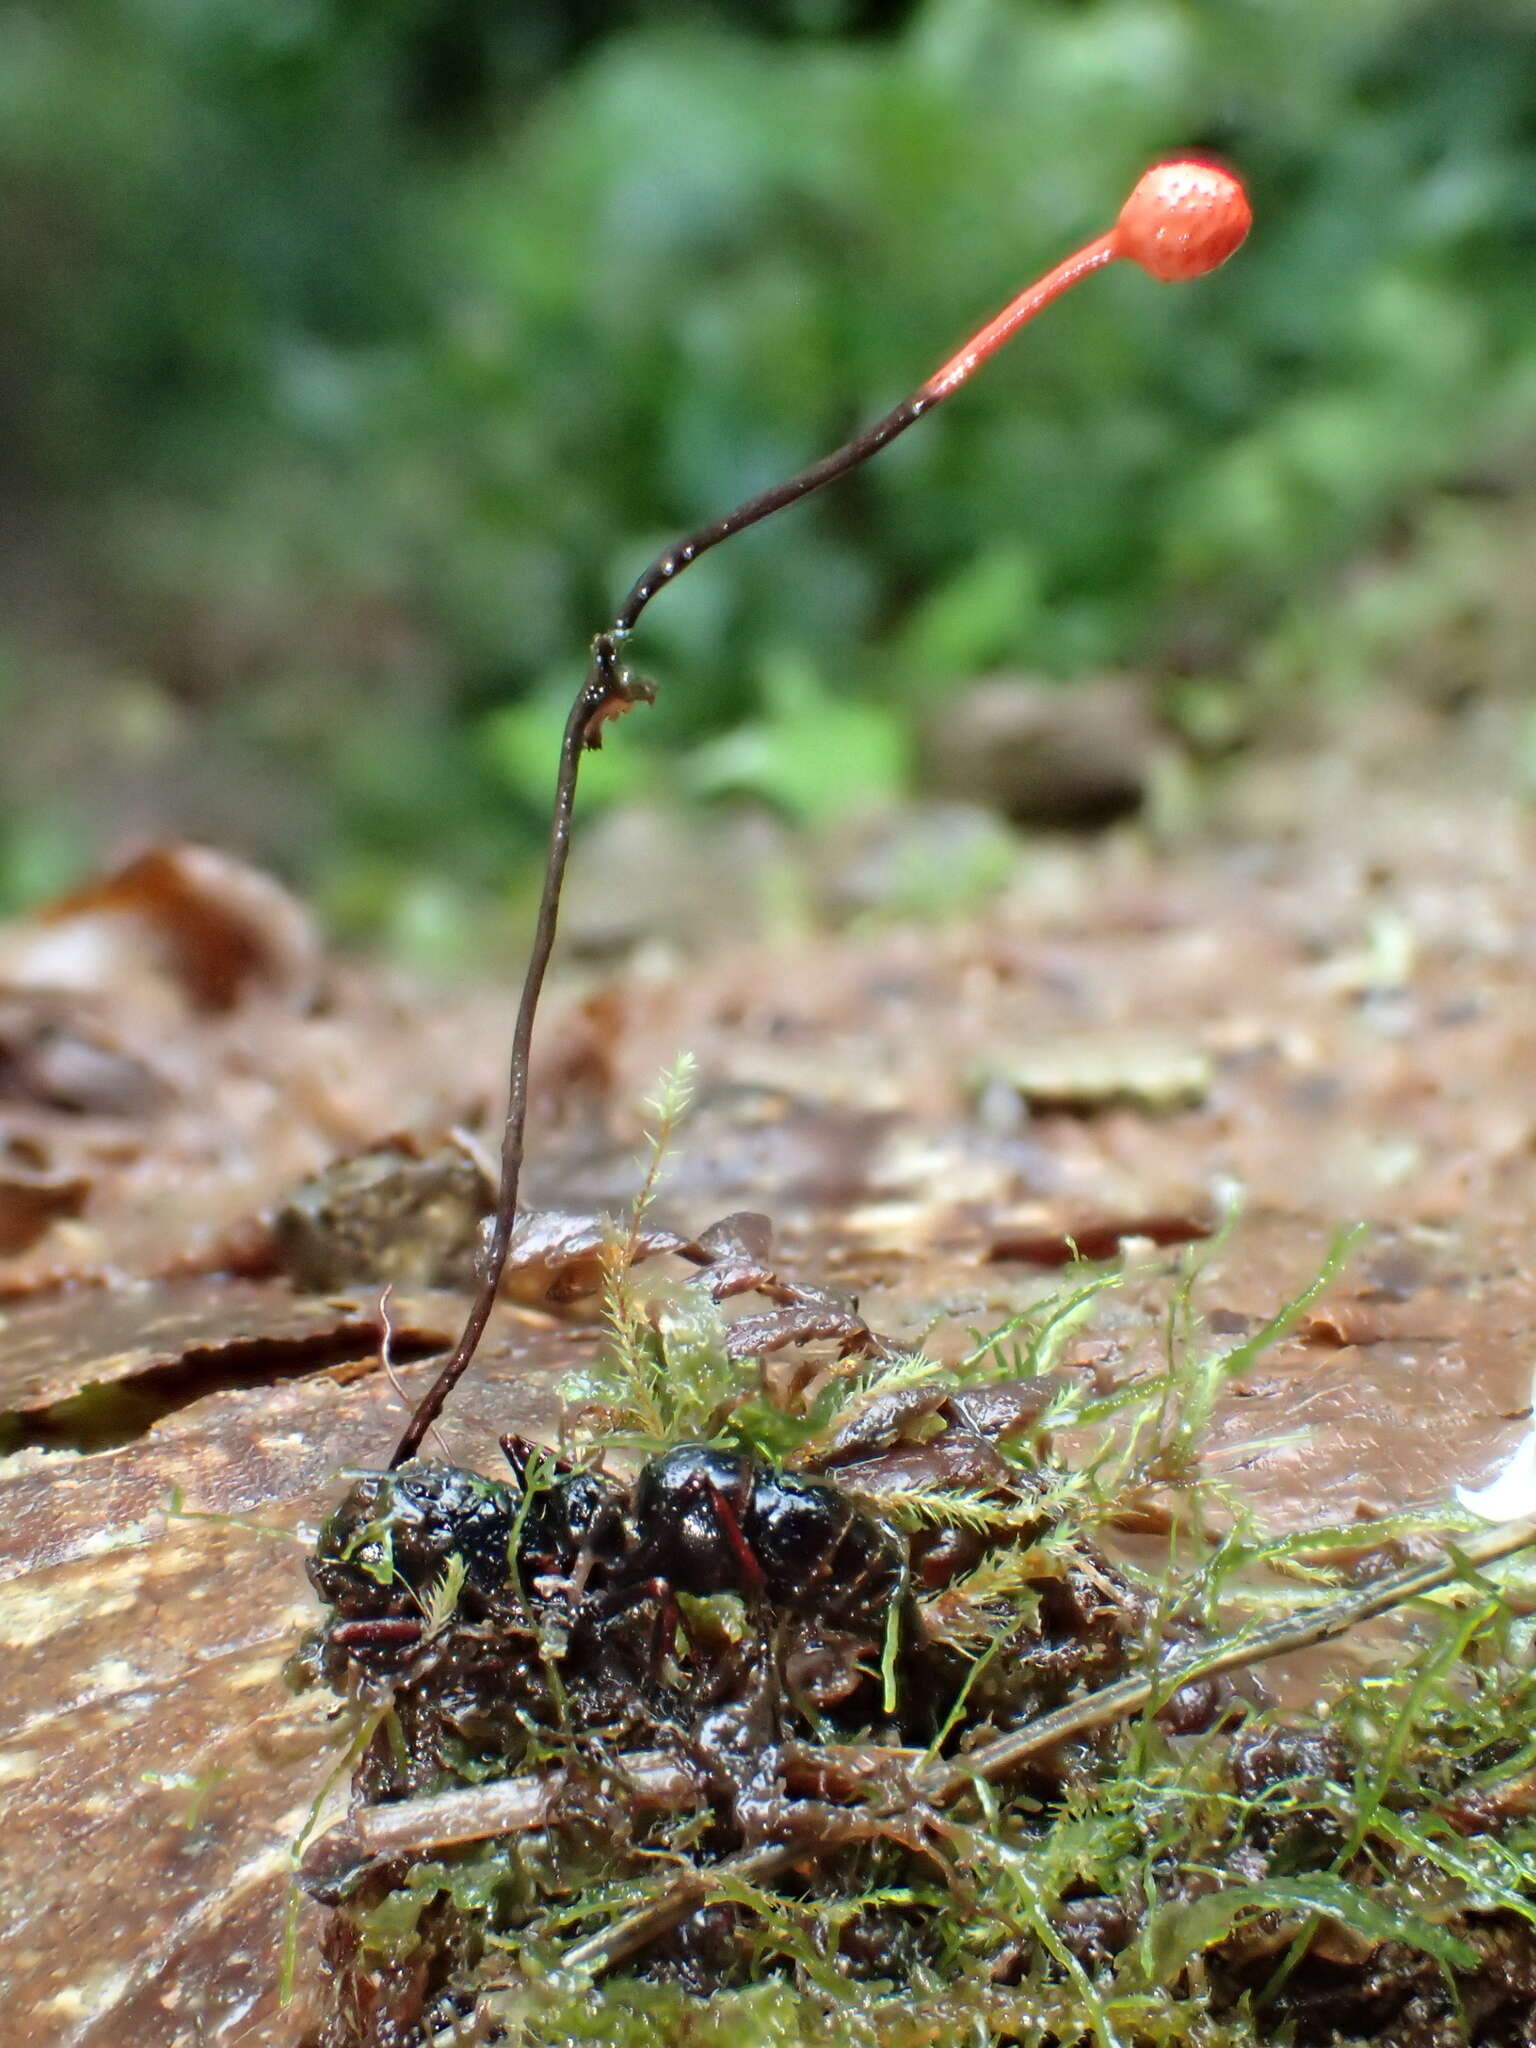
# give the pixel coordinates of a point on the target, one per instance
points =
(1183, 218)
(691, 1502)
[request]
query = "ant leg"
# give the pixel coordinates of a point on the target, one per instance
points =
(665, 1624)
(695, 1538)
(763, 1646)
(517, 1451)
(566, 1597)
(753, 1583)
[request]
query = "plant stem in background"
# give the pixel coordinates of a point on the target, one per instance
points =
(1182, 219)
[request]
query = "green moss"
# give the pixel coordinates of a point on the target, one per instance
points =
(1138, 1886)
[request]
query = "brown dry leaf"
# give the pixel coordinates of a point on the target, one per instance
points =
(32, 1197)
(176, 1055)
(1094, 1237)
(560, 1258)
(174, 1342)
(219, 932)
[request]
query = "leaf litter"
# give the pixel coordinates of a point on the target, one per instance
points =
(962, 1750)
(900, 1170)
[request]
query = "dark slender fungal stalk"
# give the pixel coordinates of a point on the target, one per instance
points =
(608, 687)
(1182, 219)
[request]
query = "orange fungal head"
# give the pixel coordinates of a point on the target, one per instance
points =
(1183, 219)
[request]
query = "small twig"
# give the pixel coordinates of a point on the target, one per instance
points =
(649, 1781)
(599, 1952)
(386, 1359)
(940, 1784)
(993, 1760)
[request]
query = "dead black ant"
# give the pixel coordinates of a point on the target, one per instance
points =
(720, 1521)
(494, 1625)
(385, 1548)
(699, 1520)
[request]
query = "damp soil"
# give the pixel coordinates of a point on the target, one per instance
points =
(1320, 1000)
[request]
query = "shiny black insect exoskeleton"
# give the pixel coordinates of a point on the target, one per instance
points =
(572, 1527)
(698, 1520)
(717, 1521)
(386, 1546)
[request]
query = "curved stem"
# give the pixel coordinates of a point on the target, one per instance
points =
(1032, 300)
(672, 561)
(608, 689)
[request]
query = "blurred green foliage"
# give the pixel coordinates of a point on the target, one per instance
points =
(359, 352)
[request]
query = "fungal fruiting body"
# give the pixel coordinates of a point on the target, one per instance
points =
(1183, 218)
